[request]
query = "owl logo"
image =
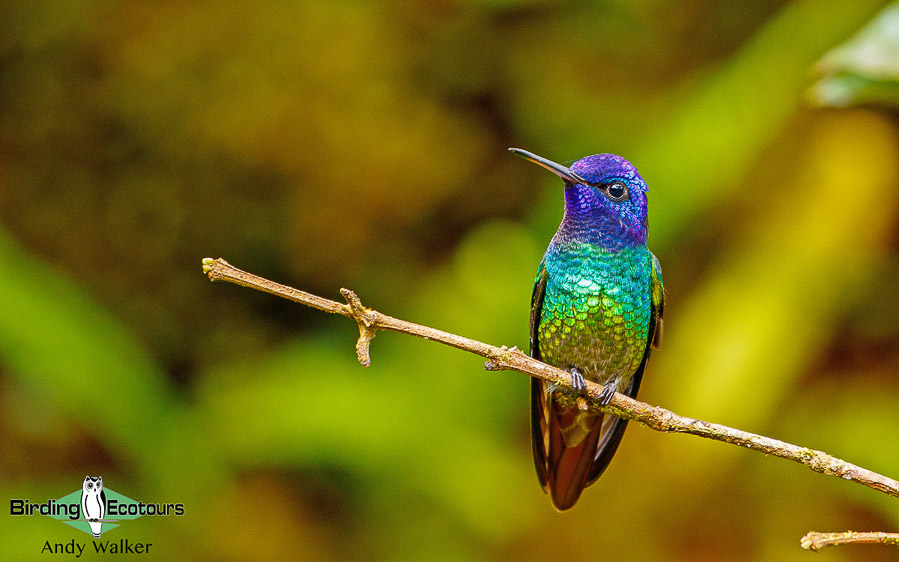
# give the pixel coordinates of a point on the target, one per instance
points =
(93, 503)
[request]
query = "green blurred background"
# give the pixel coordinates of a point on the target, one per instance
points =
(363, 145)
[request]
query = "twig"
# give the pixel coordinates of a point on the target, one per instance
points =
(504, 358)
(816, 541)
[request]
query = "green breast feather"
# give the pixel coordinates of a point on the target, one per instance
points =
(596, 311)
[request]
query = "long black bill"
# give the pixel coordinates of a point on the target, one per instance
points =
(558, 169)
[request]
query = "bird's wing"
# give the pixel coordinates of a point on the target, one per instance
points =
(537, 308)
(538, 396)
(658, 304)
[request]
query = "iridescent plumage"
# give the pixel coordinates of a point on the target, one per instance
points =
(596, 311)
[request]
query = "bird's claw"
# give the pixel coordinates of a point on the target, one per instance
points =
(608, 391)
(578, 383)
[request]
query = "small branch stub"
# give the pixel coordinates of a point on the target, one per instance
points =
(366, 330)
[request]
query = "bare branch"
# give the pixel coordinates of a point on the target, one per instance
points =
(504, 358)
(816, 541)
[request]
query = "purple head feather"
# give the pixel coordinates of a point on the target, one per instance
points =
(592, 212)
(605, 201)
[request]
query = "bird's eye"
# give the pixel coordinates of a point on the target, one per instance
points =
(617, 191)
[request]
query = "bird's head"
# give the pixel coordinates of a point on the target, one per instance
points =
(605, 200)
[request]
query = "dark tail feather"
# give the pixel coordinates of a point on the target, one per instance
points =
(564, 471)
(612, 432)
(538, 430)
(570, 467)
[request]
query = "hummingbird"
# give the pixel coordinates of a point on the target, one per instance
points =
(596, 312)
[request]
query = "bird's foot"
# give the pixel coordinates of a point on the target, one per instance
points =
(578, 383)
(608, 391)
